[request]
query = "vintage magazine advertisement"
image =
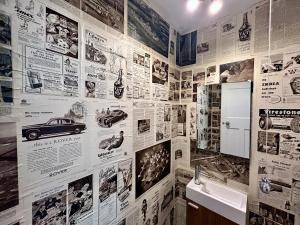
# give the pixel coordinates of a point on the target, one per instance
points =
(6, 81)
(167, 197)
(284, 30)
(52, 139)
(31, 22)
(211, 75)
(61, 33)
(44, 28)
(45, 72)
(207, 45)
(9, 193)
(152, 165)
(193, 121)
(138, 74)
(5, 36)
(104, 70)
(115, 190)
(280, 78)
(237, 71)
(160, 75)
(198, 79)
(179, 148)
(227, 28)
(179, 120)
(111, 124)
(61, 203)
(277, 185)
(148, 209)
(244, 32)
(279, 132)
(163, 121)
(174, 85)
(109, 12)
(143, 125)
(186, 86)
(202, 117)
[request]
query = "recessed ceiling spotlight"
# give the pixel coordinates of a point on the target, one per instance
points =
(192, 5)
(215, 6)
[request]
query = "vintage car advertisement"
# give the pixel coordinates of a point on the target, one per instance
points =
(111, 123)
(52, 136)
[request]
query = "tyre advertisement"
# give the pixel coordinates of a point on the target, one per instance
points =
(279, 132)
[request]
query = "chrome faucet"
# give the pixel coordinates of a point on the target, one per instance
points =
(197, 174)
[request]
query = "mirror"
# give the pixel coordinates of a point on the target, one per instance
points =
(223, 120)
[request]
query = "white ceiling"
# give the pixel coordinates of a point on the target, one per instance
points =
(175, 13)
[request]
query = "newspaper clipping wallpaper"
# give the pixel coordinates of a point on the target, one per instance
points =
(99, 126)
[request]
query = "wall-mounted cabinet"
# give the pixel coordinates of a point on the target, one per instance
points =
(199, 215)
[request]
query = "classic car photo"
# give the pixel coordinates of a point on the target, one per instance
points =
(52, 127)
(109, 118)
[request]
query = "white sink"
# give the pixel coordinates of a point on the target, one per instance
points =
(220, 199)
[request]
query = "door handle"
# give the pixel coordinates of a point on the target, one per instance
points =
(193, 205)
(227, 123)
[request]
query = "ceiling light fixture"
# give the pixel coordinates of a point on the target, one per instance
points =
(192, 5)
(215, 6)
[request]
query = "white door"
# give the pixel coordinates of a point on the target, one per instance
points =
(235, 118)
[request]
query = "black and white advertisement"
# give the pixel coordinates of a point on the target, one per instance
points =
(138, 74)
(275, 183)
(50, 206)
(291, 78)
(108, 12)
(9, 189)
(163, 121)
(192, 110)
(198, 79)
(275, 216)
(148, 211)
(61, 34)
(280, 132)
(237, 71)
(60, 202)
(186, 86)
(48, 73)
(160, 79)
(143, 125)
(80, 199)
(270, 84)
(179, 148)
(167, 196)
(211, 75)
(111, 123)
(179, 120)
(115, 190)
(31, 22)
(207, 45)
(280, 78)
(6, 78)
(244, 22)
(108, 178)
(227, 28)
(174, 85)
(125, 196)
(52, 139)
(104, 76)
(202, 117)
(152, 165)
(5, 27)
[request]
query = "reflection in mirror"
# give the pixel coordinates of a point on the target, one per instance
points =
(209, 117)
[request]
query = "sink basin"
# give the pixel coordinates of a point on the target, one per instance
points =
(220, 199)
